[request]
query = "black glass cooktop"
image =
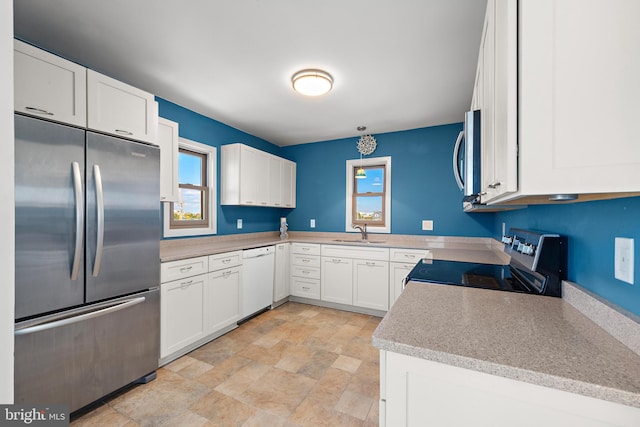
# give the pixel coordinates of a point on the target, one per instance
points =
(485, 276)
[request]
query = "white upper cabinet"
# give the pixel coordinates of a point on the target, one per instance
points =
(120, 109)
(559, 102)
(251, 177)
(48, 86)
(167, 139)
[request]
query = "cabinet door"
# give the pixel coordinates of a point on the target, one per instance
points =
(119, 109)
(261, 178)
(288, 184)
(48, 86)
(275, 184)
(397, 273)
(182, 313)
(222, 297)
(579, 97)
(168, 142)
(281, 281)
(371, 284)
(248, 172)
(336, 280)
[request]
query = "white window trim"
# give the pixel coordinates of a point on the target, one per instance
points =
(211, 154)
(372, 161)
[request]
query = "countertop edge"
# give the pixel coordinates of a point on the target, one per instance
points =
(518, 374)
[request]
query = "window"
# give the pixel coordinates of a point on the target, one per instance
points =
(369, 199)
(194, 213)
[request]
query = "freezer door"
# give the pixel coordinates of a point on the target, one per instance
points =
(123, 217)
(78, 356)
(49, 212)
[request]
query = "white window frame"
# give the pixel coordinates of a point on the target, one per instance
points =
(372, 161)
(212, 161)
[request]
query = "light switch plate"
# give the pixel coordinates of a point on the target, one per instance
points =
(239, 224)
(312, 223)
(427, 225)
(624, 259)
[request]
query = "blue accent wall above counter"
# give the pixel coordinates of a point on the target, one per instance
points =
(591, 228)
(422, 183)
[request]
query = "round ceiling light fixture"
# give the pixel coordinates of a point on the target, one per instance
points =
(312, 82)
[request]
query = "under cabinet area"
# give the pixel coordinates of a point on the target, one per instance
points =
(200, 300)
(49, 86)
(251, 177)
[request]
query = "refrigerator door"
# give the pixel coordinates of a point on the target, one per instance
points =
(77, 356)
(49, 212)
(123, 217)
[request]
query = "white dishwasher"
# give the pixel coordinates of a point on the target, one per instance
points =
(257, 279)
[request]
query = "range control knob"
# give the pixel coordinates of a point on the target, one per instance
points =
(528, 249)
(507, 240)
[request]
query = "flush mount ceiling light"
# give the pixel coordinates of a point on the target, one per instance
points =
(312, 82)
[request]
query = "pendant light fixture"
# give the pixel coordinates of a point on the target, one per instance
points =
(366, 145)
(312, 82)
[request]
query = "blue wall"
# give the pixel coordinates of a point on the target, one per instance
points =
(202, 129)
(423, 186)
(591, 228)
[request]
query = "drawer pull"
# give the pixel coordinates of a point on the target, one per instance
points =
(306, 288)
(38, 111)
(335, 261)
(305, 272)
(494, 185)
(226, 274)
(226, 261)
(306, 249)
(185, 269)
(124, 132)
(185, 284)
(306, 260)
(409, 256)
(370, 264)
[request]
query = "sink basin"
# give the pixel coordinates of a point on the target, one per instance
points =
(358, 241)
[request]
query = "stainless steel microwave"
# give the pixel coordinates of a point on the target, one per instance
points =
(466, 158)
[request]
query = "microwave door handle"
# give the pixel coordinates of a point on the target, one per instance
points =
(456, 166)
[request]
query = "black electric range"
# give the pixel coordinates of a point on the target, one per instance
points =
(537, 266)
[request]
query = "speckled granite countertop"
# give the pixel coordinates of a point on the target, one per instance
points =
(535, 339)
(472, 249)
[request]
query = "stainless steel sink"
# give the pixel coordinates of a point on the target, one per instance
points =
(358, 241)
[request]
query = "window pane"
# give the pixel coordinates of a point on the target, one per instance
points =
(190, 206)
(369, 208)
(373, 183)
(190, 168)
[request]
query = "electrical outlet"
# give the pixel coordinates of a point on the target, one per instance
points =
(312, 223)
(239, 224)
(427, 225)
(624, 259)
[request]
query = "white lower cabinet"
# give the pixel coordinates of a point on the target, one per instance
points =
(282, 275)
(305, 270)
(336, 284)
(182, 313)
(371, 284)
(199, 298)
(402, 262)
(419, 392)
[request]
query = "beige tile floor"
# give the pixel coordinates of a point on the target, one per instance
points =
(296, 365)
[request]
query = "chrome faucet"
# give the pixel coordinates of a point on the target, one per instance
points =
(363, 230)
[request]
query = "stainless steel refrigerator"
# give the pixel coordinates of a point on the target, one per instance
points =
(87, 263)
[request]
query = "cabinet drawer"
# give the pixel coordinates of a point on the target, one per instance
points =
(176, 270)
(355, 252)
(306, 272)
(305, 261)
(307, 288)
(408, 255)
(305, 248)
(224, 260)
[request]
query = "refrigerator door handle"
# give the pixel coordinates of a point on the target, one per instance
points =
(86, 316)
(100, 220)
(77, 187)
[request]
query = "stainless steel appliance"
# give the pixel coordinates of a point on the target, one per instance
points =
(466, 158)
(87, 263)
(538, 265)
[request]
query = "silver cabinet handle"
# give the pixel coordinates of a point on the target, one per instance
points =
(69, 320)
(494, 185)
(409, 256)
(77, 189)
(185, 269)
(186, 284)
(38, 111)
(226, 261)
(226, 274)
(124, 132)
(99, 220)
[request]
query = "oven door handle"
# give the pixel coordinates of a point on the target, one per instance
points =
(456, 166)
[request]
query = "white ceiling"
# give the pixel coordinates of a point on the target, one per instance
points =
(396, 64)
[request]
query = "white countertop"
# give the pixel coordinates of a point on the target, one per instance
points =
(535, 339)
